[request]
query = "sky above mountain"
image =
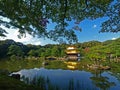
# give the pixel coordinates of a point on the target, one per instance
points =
(90, 31)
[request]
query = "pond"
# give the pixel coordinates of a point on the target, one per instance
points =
(59, 79)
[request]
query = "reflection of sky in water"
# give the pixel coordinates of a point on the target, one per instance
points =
(62, 78)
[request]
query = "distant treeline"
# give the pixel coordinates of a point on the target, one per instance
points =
(91, 49)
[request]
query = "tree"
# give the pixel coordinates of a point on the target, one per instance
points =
(32, 16)
(15, 50)
(55, 51)
(3, 49)
(47, 52)
(33, 53)
(113, 14)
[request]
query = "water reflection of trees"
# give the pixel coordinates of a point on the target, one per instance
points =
(42, 82)
(116, 74)
(100, 81)
(45, 84)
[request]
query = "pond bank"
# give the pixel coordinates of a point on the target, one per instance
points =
(8, 83)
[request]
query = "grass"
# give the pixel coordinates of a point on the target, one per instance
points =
(8, 83)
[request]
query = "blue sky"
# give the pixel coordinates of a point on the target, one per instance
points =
(90, 31)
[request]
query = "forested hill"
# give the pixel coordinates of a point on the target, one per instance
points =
(9, 48)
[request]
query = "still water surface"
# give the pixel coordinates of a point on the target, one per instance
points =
(69, 79)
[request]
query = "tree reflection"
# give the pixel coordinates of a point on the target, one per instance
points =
(95, 80)
(100, 81)
(116, 74)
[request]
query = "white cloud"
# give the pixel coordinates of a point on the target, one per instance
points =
(37, 43)
(13, 34)
(23, 39)
(94, 26)
(114, 38)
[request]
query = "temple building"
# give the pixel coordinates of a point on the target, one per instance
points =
(72, 53)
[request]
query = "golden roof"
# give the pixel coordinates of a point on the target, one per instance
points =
(71, 50)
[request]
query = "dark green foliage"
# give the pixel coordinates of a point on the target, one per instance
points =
(91, 49)
(33, 16)
(33, 53)
(113, 13)
(5, 47)
(15, 50)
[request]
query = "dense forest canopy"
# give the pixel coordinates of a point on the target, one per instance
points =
(33, 16)
(10, 48)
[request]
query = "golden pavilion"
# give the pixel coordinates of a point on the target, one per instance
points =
(72, 53)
